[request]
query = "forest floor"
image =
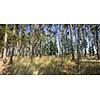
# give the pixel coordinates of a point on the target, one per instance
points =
(51, 65)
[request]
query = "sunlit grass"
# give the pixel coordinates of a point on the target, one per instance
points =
(51, 65)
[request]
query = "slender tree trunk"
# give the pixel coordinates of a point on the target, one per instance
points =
(66, 44)
(55, 46)
(31, 44)
(12, 46)
(62, 56)
(12, 54)
(20, 42)
(78, 49)
(40, 44)
(72, 45)
(5, 44)
(84, 40)
(97, 38)
(85, 52)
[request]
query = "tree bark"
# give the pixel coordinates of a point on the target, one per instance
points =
(72, 45)
(84, 40)
(12, 46)
(31, 42)
(97, 38)
(78, 49)
(5, 44)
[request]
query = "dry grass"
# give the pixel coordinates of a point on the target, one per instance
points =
(52, 66)
(45, 65)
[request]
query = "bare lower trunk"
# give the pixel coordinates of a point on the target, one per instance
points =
(12, 46)
(62, 57)
(85, 52)
(78, 49)
(5, 44)
(11, 56)
(73, 57)
(97, 38)
(31, 43)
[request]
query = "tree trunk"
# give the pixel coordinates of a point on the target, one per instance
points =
(20, 42)
(62, 56)
(31, 44)
(5, 44)
(97, 38)
(85, 52)
(72, 45)
(84, 40)
(40, 44)
(78, 49)
(12, 46)
(12, 54)
(66, 41)
(55, 45)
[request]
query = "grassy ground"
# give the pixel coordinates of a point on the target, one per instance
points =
(52, 66)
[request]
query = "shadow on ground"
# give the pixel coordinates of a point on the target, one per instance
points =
(53, 67)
